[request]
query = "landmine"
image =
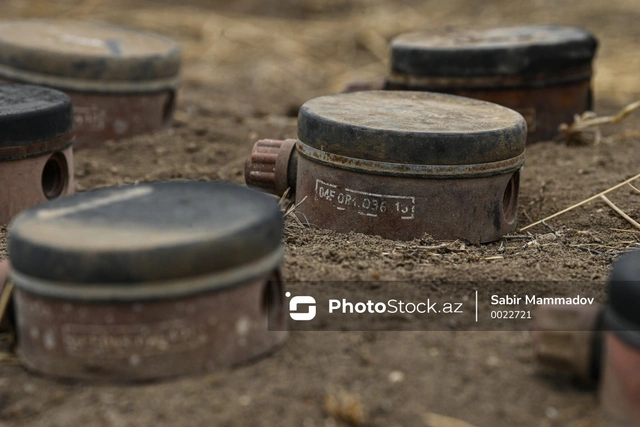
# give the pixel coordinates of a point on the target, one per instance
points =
(122, 82)
(148, 281)
(399, 164)
(36, 154)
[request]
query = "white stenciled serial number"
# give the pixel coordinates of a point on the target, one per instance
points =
(364, 203)
(89, 117)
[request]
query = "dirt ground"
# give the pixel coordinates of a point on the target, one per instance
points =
(248, 66)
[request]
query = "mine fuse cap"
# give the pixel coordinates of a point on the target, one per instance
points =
(272, 166)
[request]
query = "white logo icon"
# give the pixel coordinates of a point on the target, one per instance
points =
(302, 300)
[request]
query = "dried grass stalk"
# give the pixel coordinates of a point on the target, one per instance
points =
(585, 201)
(620, 212)
(585, 129)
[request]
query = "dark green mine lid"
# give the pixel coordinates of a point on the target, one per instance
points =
(86, 56)
(172, 234)
(414, 128)
(30, 114)
(523, 50)
(623, 309)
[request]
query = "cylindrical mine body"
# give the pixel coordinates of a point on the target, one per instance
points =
(148, 281)
(620, 384)
(569, 339)
(36, 138)
(122, 82)
(404, 164)
(543, 72)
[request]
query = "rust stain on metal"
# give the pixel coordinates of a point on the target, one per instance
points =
(101, 117)
(545, 107)
(27, 183)
(32, 180)
(569, 338)
(406, 208)
(36, 160)
(620, 385)
(145, 340)
(271, 166)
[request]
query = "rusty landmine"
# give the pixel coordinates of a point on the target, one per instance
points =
(543, 72)
(569, 339)
(36, 138)
(147, 281)
(620, 384)
(400, 164)
(122, 82)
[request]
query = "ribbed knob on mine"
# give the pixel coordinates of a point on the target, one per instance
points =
(268, 168)
(568, 338)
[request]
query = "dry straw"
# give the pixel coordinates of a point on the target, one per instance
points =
(5, 298)
(586, 129)
(585, 201)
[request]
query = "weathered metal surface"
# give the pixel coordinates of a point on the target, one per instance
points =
(475, 210)
(501, 51)
(620, 385)
(545, 106)
(36, 160)
(101, 117)
(414, 128)
(149, 339)
(87, 55)
(272, 166)
(29, 181)
(543, 72)
(569, 338)
(147, 281)
(412, 170)
(122, 82)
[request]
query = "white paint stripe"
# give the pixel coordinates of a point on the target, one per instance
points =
(96, 203)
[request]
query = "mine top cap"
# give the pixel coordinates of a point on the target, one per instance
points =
(31, 114)
(522, 50)
(34, 49)
(418, 128)
(146, 232)
(624, 296)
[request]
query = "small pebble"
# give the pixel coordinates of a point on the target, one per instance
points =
(396, 377)
(551, 412)
(493, 361)
(244, 400)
